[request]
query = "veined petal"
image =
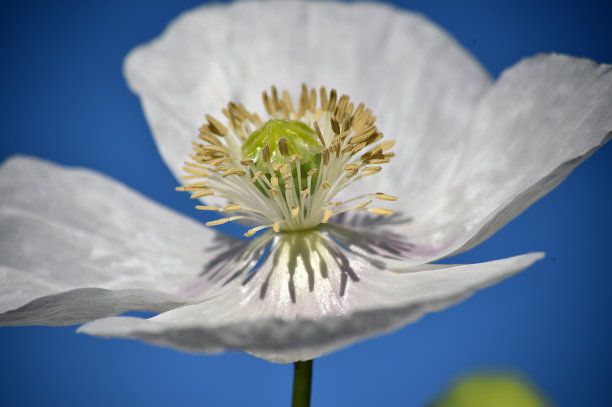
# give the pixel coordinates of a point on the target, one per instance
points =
(418, 81)
(309, 297)
(541, 119)
(68, 229)
(73, 306)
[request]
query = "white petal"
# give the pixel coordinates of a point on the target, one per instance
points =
(418, 81)
(285, 313)
(63, 229)
(540, 120)
(74, 306)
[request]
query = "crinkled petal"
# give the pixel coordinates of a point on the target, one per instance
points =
(65, 229)
(309, 296)
(541, 119)
(80, 305)
(417, 80)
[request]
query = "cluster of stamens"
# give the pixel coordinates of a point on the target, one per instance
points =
(285, 173)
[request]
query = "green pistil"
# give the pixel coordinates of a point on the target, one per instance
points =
(301, 140)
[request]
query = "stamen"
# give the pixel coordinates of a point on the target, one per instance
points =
(232, 207)
(296, 162)
(381, 211)
(198, 195)
(385, 197)
(215, 126)
(254, 230)
(318, 130)
(326, 215)
(218, 222)
(207, 208)
(233, 171)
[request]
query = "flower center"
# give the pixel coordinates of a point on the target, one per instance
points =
(297, 138)
(285, 174)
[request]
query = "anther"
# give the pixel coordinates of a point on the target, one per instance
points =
(282, 146)
(231, 208)
(207, 208)
(385, 197)
(326, 215)
(318, 130)
(326, 157)
(381, 211)
(202, 194)
(265, 153)
(233, 171)
(216, 126)
(218, 222)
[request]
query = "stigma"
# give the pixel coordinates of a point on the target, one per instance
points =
(286, 173)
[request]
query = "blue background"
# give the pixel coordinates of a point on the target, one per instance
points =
(64, 99)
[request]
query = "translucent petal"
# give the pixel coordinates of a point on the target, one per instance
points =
(307, 298)
(63, 229)
(542, 118)
(417, 80)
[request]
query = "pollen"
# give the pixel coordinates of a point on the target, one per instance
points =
(283, 173)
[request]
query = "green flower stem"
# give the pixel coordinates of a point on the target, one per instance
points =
(302, 383)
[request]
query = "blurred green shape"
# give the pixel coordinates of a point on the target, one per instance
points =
(492, 390)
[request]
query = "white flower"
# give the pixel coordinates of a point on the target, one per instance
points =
(469, 156)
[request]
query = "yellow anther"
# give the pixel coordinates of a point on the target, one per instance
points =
(202, 194)
(195, 185)
(358, 148)
(276, 226)
(294, 211)
(352, 170)
(216, 126)
(254, 230)
(233, 171)
(246, 162)
(305, 192)
(217, 222)
(207, 208)
(319, 134)
(385, 197)
(231, 207)
(214, 149)
(312, 172)
(220, 160)
(326, 215)
(326, 185)
(274, 181)
(196, 171)
(381, 211)
(370, 171)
